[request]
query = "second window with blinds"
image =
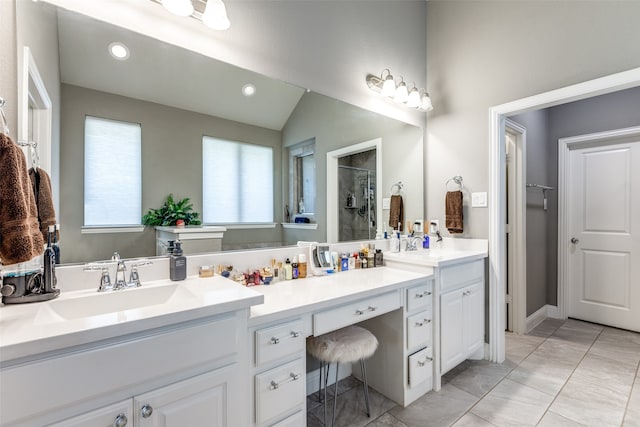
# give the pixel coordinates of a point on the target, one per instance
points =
(237, 182)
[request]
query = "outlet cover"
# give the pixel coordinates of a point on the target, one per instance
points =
(479, 200)
(386, 203)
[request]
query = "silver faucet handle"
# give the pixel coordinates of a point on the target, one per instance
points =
(105, 281)
(134, 278)
(121, 269)
(115, 256)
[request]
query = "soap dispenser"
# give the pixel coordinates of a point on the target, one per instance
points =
(177, 263)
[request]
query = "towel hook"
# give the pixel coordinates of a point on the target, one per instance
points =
(456, 179)
(397, 188)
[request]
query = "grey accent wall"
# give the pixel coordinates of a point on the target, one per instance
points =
(485, 53)
(332, 124)
(171, 163)
(539, 257)
(8, 68)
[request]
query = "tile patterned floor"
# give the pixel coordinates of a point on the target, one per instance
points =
(564, 373)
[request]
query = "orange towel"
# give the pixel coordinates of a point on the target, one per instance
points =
(41, 184)
(20, 237)
(396, 214)
(453, 212)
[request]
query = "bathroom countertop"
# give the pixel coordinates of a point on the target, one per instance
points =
(29, 329)
(293, 297)
(441, 254)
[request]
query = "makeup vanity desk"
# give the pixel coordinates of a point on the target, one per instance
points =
(396, 305)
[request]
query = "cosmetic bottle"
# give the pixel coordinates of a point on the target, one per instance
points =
(364, 262)
(288, 270)
(425, 242)
(394, 244)
(345, 262)
(177, 263)
(379, 260)
(275, 271)
(302, 266)
(295, 272)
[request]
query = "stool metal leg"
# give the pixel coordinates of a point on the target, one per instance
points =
(366, 386)
(335, 398)
(320, 381)
(326, 377)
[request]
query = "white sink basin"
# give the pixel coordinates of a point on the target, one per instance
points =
(98, 303)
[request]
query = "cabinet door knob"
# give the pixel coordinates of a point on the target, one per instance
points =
(574, 240)
(146, 411)
(275, 340)
(120, 421)
(295, 334)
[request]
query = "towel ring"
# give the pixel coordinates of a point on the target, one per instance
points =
(397, 188)
(456, 179)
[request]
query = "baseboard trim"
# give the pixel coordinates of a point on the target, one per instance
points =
(544, 312)
(314, 376)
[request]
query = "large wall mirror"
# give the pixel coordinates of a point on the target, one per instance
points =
(177, 97)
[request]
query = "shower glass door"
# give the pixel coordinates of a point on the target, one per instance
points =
(357, 203)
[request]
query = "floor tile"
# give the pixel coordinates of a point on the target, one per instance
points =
(480, 376)
(386, 420)
(607, 374)
(440, 408)
(561, 351)
(547, 327)
(622, 346)
(551, 419)
(585, 402)
(543, 374)
(512, 403)
(577, 334)
(351, 409)
(471, 420)
(632, 416)
(520, 346)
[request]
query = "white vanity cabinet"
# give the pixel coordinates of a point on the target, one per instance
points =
(461, 313)
(187, 374)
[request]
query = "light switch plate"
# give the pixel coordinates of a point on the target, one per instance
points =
(479, 200)
(386, 203)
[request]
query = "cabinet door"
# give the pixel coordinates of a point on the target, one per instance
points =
(199, 401)
(119, 414)
(473, 298)
(452, 344)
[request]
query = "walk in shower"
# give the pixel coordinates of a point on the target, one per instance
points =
(357, 202)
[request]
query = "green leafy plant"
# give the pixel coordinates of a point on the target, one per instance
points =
(171, 212)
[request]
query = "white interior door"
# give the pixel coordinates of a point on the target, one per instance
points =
(603, 212)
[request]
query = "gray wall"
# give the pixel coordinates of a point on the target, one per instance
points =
(485, 53)
(335, 124)
(8, 65)
(171, 163)
(544, 128)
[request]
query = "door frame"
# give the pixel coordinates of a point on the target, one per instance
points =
(518, 230)
(497, 203)
(565, 145)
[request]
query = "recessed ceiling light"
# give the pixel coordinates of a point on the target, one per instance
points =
(249, 89)
(119, 51)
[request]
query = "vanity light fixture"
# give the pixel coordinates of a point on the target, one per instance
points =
(386, 86)
(119, 51)
(249, 89)
(213, 13)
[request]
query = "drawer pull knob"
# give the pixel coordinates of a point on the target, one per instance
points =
(424, 321)
(276, 384)
(421, 363)
(359, 312)
(120, 421)
(275, 340)
(466, 293)
(372, 308)
(423, 294)
(146, 411)
(295, 334)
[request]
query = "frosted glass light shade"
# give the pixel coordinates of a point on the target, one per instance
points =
(426, 102)
(178, 7)
(389, 86)
(215, 15)
(402, 94)
(414, 99)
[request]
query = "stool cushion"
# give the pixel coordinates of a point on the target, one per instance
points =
(345, 345)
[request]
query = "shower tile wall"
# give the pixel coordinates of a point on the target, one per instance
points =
(354, 226)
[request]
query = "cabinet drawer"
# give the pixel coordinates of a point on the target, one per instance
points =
(420, 366)
(279, 390)
(419, 297)
(419, 329)
(461, 275)
(355, 312)
(295, 420)
(279, 341)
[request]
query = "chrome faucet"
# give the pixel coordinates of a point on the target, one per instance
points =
(413, 243)
(439, 236)
(121, 269)
(120, 281)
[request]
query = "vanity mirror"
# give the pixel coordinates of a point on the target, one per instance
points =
(177, 97)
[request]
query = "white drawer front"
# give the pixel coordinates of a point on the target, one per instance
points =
(461, 275)
(279, 341)
(419, 329)
(419, 297)
(420, 366)
(295, 420)
(355, 312)
(279, 390)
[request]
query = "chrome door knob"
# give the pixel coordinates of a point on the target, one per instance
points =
(120, 421)
(146, 411)
(574, 240)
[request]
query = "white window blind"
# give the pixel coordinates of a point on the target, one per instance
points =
(112, 173)
(237, 182)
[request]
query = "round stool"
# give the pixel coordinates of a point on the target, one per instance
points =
(346, 345)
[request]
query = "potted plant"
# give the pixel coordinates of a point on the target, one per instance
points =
(172, 213)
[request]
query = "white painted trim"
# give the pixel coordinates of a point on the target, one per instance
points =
(600, 86)
(300, 226)
(519, 230)
(536, 318)
(332, 184)
(107, 230)
(565, 145)
(247, 225)
(553, 313)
